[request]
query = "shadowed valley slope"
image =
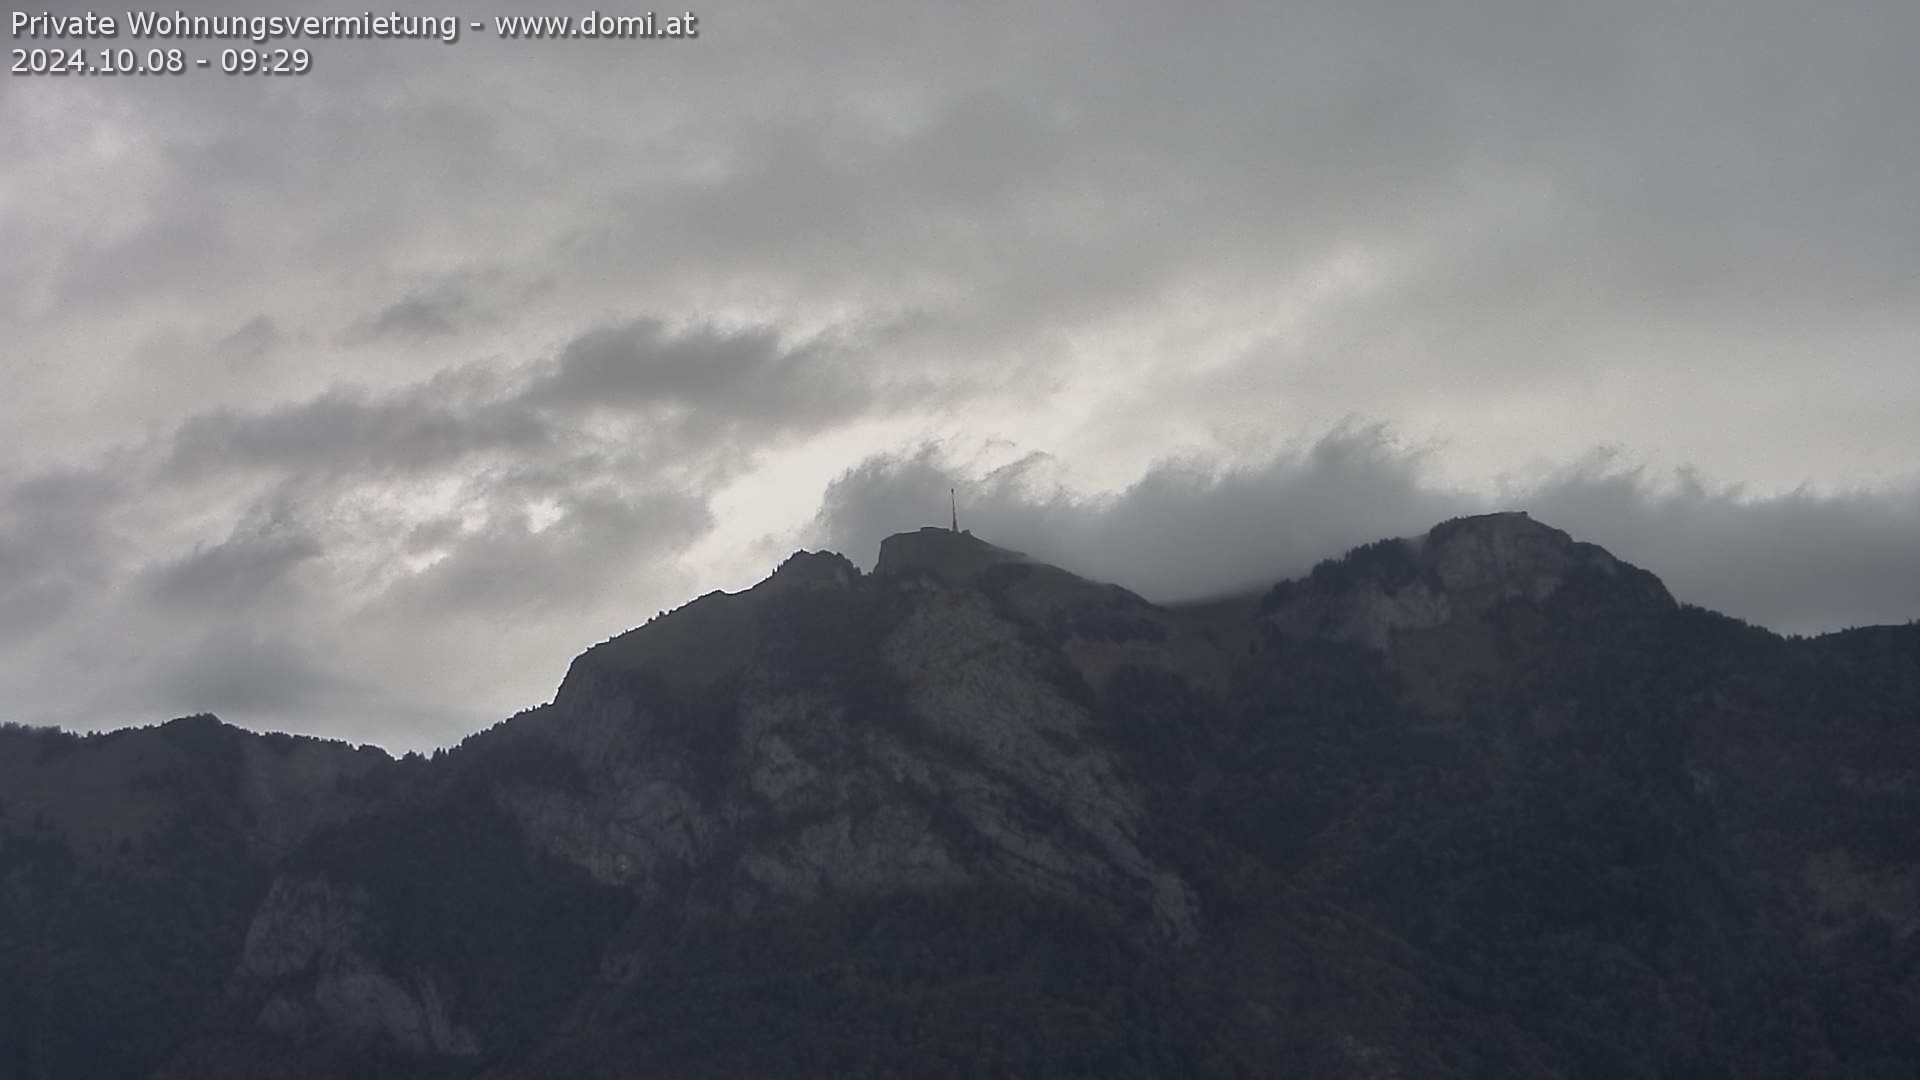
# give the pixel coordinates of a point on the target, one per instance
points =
(1482, 802)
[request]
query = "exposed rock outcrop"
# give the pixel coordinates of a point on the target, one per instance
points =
(942, 750)
(312, 928)
(1481, 802)
(1458, 571)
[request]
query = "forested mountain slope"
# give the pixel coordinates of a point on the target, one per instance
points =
(1487, 802)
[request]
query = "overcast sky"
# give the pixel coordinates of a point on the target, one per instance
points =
(359, 402)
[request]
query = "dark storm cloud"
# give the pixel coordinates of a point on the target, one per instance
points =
(1796, 563)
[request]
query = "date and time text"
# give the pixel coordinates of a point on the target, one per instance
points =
(91, 43)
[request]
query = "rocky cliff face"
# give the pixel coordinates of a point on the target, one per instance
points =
(311, 928)
(1457, 609)
(844, 736)
(130, 865)
(1486, 802)
(1458, 572)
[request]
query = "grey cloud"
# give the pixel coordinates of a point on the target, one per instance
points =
(501, 501)
(251, 341)
(1801, 562)
(717, 379)
(250, 565)
(641, 363)
(1115, 230)
(349, 429)
(689, 389)
(241, 670)
(28, 600)
(418, 317)
(121, 268)
(62, 509)
(1186, 529)
(508, 567)
(55, 545)
(315, 612)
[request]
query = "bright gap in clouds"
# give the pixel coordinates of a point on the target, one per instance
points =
(361, 404)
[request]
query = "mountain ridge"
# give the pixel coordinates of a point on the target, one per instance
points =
(1461, 805)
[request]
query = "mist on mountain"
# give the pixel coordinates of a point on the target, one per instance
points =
(1481, 799)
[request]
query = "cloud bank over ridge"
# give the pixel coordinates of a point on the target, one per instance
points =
(1798, 563)
(359, 404)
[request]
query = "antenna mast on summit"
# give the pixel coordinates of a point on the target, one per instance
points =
(954, 500)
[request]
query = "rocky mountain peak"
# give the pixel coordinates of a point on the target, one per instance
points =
(813, 569)
(1460, 570)
(1449, 805)
(1508, 553)
(954, 557)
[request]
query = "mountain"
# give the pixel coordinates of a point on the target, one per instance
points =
(1486, 802)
